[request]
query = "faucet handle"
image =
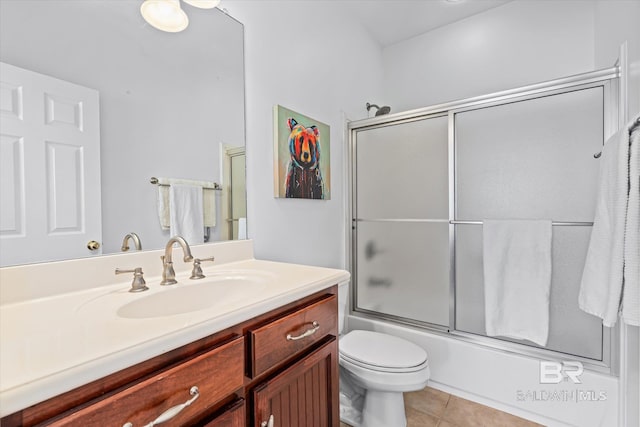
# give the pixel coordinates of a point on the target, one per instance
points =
(138, 284)
(196, 273)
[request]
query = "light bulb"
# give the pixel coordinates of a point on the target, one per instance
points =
(165, 15)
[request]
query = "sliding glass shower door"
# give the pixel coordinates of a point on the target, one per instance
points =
(531, 159)
(423, 182)
(401, 220)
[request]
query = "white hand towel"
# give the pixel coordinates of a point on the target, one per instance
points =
(517, 278)
(631, 287)
(209, 200)
(185, 203)
(163, 207)
(601, 286)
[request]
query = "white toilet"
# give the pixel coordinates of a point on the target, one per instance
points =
(375, 369)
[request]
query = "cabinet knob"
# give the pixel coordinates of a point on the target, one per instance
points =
(92, 245)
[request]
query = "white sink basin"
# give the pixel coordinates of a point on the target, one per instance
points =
(192, 297)
(184, 297)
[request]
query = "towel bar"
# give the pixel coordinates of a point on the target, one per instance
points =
(559, 223)
(155, 181)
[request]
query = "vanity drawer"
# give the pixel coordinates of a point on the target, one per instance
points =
(217, 374)
(283, 337)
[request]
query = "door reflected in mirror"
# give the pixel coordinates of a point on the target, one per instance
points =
(167, 105)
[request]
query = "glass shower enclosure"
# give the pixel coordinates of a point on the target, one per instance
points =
(423, 181)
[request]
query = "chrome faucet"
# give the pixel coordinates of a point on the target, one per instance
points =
(136, 242)
(168, 273)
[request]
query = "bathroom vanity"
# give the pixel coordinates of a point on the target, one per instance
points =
(262, 354)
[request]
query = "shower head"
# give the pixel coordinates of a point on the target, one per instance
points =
(385, 109)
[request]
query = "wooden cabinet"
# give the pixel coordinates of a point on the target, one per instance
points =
(276, 341)
(302, 392)
(282, 363)
(302, 395)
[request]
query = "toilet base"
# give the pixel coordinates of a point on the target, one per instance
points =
(383, 409)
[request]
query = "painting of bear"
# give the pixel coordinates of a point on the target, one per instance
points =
(302, 156)
(304, 179)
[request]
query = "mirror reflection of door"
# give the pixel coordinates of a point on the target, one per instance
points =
(235, 201)
(154, 87)
(50, 164)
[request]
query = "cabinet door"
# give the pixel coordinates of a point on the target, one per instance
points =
(304, 395)
(234, 416)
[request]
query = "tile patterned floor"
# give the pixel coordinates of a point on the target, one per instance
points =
(434, 408)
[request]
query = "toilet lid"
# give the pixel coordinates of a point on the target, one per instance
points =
(381, 350)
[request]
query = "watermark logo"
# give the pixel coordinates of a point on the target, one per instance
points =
(556, 372)
(553, 373)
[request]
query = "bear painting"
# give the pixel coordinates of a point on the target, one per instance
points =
(301, 156)
(304, 178)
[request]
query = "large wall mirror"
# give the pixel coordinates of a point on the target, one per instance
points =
(167, 105)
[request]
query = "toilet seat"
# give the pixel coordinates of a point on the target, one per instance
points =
(376, 368)
(382, 352)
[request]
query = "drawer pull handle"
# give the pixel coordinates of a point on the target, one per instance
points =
(172, 412)
(268, 423)
(306, 333)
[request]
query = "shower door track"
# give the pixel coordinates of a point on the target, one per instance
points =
(601, 78)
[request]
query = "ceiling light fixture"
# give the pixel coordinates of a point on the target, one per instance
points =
(167, 15)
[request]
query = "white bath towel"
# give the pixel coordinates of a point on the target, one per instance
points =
(209, 200)
(631, 286)
(185, 205)
(602, 277)
(517, 278)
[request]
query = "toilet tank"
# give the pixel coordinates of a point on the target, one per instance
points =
(343, 298)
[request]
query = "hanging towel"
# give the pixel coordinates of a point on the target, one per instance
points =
(631, 286)
(185, 205)
(242, 229)
(602, 277)
(163, 206)
(517, 278)
(209, 200)
(209, 206)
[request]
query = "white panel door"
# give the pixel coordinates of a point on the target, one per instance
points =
(49, 168)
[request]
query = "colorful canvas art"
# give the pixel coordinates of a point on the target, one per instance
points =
(302, 153)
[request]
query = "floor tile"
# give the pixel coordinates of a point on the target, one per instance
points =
(464, 413)
(494, 418)
(429, 400)
(417, 418)
(434, 408)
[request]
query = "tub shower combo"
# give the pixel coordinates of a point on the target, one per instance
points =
(423, 181)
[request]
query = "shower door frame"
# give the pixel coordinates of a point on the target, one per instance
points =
(607, 79)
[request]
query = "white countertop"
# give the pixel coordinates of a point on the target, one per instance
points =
(55, 343)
